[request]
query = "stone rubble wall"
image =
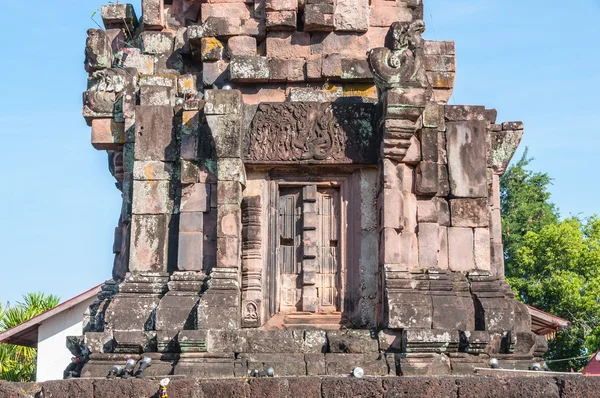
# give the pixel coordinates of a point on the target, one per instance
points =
(446, 387)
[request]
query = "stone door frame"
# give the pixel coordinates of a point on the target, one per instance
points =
(294, 179)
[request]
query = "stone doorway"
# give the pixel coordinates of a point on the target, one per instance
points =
(309, 249)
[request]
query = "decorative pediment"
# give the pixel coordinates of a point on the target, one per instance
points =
(312, 132)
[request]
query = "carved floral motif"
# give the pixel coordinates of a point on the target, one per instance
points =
(312, 132)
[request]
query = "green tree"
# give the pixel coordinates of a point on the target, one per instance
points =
(525, 206)
(17, 363)
(559, 272)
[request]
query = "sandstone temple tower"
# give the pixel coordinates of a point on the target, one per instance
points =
(297, 194)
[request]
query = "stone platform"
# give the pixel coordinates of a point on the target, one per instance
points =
(456, 387)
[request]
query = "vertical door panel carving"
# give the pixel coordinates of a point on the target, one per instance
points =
(308, 249)
(290, 239)
(328, 250)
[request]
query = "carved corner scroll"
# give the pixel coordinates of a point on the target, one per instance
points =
(312, 132)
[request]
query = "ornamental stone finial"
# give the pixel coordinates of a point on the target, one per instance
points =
(401, 66)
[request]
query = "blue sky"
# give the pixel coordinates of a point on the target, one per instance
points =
(535, 61)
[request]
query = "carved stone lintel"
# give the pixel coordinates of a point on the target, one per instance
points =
(312, 132)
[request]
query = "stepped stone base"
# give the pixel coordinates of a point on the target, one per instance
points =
(456, 387)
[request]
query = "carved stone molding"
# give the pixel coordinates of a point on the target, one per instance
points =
(311, 132)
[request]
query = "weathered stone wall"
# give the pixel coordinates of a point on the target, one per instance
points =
(208, 108)
(442, 387)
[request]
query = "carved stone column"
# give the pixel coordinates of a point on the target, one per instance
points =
(252, 263)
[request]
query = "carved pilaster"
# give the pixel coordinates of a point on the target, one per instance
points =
(251, 262)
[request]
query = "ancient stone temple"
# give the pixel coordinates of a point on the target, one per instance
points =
(297, 194)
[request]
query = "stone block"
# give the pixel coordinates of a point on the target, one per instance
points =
(155, 42)
(190, 172)
(352, 342)
(385, 16)
(466, 149)
(427, 211)
(343, 364)
(98, 50)
(443, 210)
(215, 73)
(187, 85)
(281, 20)
(221, 27)
(211, 49)
(223, 102)
(429, 245)
(191, 222)
(154, 138)
(133, 58)
(275, 342)
(153, 95)
(231, 169)
(153, 14)
(291, 70)
(391, 209)
(460, 249)
(443, 253)
(228, 252)
(195, 198)
(241, 46)
(504, 146)
(351, 15)
(281, 5)
(119, 16)
(286, 45)
(152, 170)
(315, 365)
(229, 193)
(482, 249)
(284, 364)
(348, 44)
(226, 341)
(331, 65)
(355, 69)
(230, 10)
(249, 69)
(318, 17)
(469, 212)
(229, 222)
(152, 197)
(175, 312)
(189, 147)
(429, 145)
(439, 47)
(427, 178)
(148, 243)
(107, 135)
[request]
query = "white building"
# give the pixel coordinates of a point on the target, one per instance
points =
(48, 333)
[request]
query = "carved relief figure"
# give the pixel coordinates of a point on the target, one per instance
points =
(401, 66)
(317, 132)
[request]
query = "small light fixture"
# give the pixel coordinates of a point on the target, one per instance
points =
(494, 363)
(598, 356)
(270, 372)
(358, 372)
(128, 371)
(114, 372)
(146, 361)
(226, 87)
(536, 367)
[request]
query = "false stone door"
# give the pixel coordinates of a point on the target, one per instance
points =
(308, 249)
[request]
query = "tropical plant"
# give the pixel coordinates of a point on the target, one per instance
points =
(17, 363)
